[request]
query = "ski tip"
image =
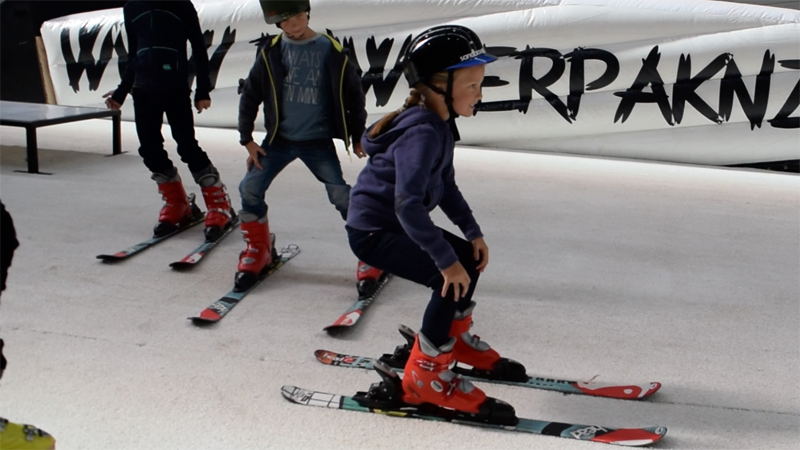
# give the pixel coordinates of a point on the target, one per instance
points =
(311, 398)
(337, 330)
(662, 431)
(210, 315)
(189, 261)
(654, 387)
(345, 321)
(628, 392)
(200, 322)
(206, 317)
(632, 437)
(111, 258)
(292, 393)
(327, 357)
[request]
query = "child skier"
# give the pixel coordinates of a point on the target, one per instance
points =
(158, 78)
(16, 436)
(311, 94)
(409, 173)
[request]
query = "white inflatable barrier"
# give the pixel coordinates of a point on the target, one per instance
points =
(692, 81)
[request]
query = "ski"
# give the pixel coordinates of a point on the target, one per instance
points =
(367, 294)
(198, 217)
(632, 437)
(200, 252)
(622, 392)
(217, 310)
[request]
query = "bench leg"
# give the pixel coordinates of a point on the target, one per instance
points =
(115, 135)
(33, 156)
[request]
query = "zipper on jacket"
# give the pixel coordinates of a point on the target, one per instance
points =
(274, 97)
(344, 117)
(140, 16)
(170, 13)
(338, 47)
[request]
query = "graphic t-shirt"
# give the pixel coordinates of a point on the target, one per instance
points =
(307, 102)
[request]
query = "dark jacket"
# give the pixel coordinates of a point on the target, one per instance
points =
(8, 244)
(157, 60)
(408, 174)
(265, 84)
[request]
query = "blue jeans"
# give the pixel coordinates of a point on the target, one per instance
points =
(397, 254)
(321, 159)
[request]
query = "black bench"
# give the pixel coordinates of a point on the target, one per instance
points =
(34, 115)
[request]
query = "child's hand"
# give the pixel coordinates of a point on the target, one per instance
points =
(110, 102)
(254, 150)
(201, 105)
(358, 149)
(456, 276)
(481, 253)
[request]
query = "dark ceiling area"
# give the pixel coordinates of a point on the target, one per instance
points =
(791, 4)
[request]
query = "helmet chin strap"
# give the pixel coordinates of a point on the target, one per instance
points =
(448, 100)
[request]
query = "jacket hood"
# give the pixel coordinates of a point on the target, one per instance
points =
(399, 125)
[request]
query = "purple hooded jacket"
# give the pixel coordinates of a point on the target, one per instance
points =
(408, 174)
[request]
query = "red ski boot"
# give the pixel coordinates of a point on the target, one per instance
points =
(485, 362)
(367, 272)
(220, 213)
(258, 255)
(177, 210)
(428, 379)
(369, 279)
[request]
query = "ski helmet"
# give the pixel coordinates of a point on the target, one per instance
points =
(439, 49)
(276, 11)
(443, 48)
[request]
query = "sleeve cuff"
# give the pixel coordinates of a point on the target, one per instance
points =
(473, 233)
(119, 98)
(443, 254)
(200, 96)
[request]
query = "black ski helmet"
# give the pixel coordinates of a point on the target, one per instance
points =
(443, 48)
(276, 11)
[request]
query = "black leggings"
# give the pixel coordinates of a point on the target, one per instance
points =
(149, 109)
(397, 254)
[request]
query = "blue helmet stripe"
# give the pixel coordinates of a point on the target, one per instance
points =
(474, 61)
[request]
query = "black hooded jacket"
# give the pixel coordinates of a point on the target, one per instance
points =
(157, 60)
(8, 245)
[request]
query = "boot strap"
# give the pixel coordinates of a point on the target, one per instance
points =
(434, 367)
(220, 211)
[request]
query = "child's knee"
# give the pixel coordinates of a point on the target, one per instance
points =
(339, 195)
(249, 192)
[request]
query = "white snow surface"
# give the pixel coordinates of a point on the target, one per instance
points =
(633, 271)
